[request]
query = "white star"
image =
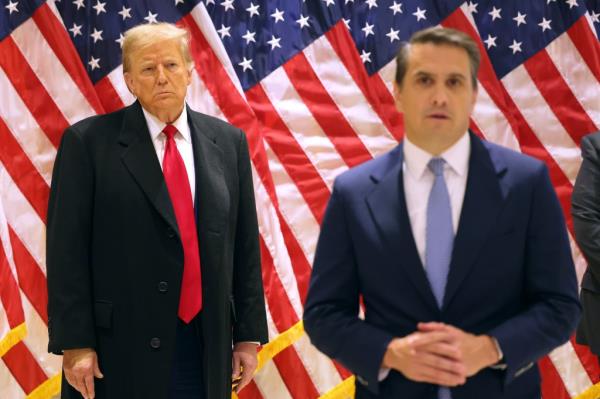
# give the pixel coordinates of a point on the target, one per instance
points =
(246, 64)
(228, 4)
(253, 9)
(396, 7)
(120, 39)
(274, 42)
(99, 7)
(495, 13)
(371, 3)
(572, 3)
(125, 13)
(79, 3)
(12, 7)
(151, 18)
(368, 29)
(365, 57)
(224, 31)
(210, 2)
(76, 30)
(393, 35)
(545, 24)
(249, 37)
(178, 1)
(420, 14)
(490, 41)
(551, 1)
(329, 2)
(516, 47)
(278, 15)
(472, 7)
(303, 21)
(97, 35)
(347, 23)
(595, 17)
(94, 63)
(349, 1)
(520, 18)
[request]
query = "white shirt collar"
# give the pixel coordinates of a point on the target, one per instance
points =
(156, 126)
(456, 156)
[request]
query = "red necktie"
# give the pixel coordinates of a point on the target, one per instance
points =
(178, 184)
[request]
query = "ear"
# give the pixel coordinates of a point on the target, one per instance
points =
(474, 99)
(398, 97)
(189, 76)
(129, 82)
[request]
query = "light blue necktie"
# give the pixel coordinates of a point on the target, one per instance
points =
(439, 239)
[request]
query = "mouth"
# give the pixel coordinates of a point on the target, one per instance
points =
(438, 116)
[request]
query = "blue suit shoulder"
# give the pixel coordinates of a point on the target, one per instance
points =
(361, 178)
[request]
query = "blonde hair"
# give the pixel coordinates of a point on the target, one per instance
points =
(144, 35)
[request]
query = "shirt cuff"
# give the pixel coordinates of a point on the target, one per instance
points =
(383, 373)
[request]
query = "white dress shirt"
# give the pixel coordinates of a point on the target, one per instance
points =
(183, 141)
(418, 180)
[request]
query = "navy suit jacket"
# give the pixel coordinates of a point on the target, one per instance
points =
(511, 274)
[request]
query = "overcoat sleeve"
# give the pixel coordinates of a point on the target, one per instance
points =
(69, 226)
(248, 299)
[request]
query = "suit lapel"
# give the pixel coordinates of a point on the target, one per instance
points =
(212, 198)
(139, 156)
(484, 196)
(387, 205)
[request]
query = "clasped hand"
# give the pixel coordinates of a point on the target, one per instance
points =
(440, 354)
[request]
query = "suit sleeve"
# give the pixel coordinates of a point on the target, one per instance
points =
(585, 205)
(69, 224)
(331, 310)
(250, 317)
(552, 308)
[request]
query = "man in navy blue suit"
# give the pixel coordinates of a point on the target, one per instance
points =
(458, 248)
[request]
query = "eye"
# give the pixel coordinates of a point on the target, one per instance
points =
(454, 82)
(148, 69)
(424, 80)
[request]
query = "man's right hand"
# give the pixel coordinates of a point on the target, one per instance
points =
(81, 366)
(431, 357)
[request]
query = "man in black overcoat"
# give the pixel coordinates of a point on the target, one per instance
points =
(153, 263)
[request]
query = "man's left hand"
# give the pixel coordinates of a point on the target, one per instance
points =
(244, 363)
(478, 351)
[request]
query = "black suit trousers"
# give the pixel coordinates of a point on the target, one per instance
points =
(186, 375)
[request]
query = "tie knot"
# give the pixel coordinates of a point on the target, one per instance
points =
(169, 131)
(436, 165)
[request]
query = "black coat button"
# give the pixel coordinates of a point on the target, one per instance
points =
(163, 286)
(170, 232)
(155, 343)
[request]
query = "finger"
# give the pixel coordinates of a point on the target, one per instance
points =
(80, 386)
(88, 381)
(235, 365)
(431, 326)
(247, 375)
(450, 351)
(97, 372)
(441, 363)
(420, 339)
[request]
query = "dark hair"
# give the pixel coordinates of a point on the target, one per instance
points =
(439, 36)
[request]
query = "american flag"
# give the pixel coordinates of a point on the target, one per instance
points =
(310, 84)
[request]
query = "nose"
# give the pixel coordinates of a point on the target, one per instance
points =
(440, 96)
(161, 77)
